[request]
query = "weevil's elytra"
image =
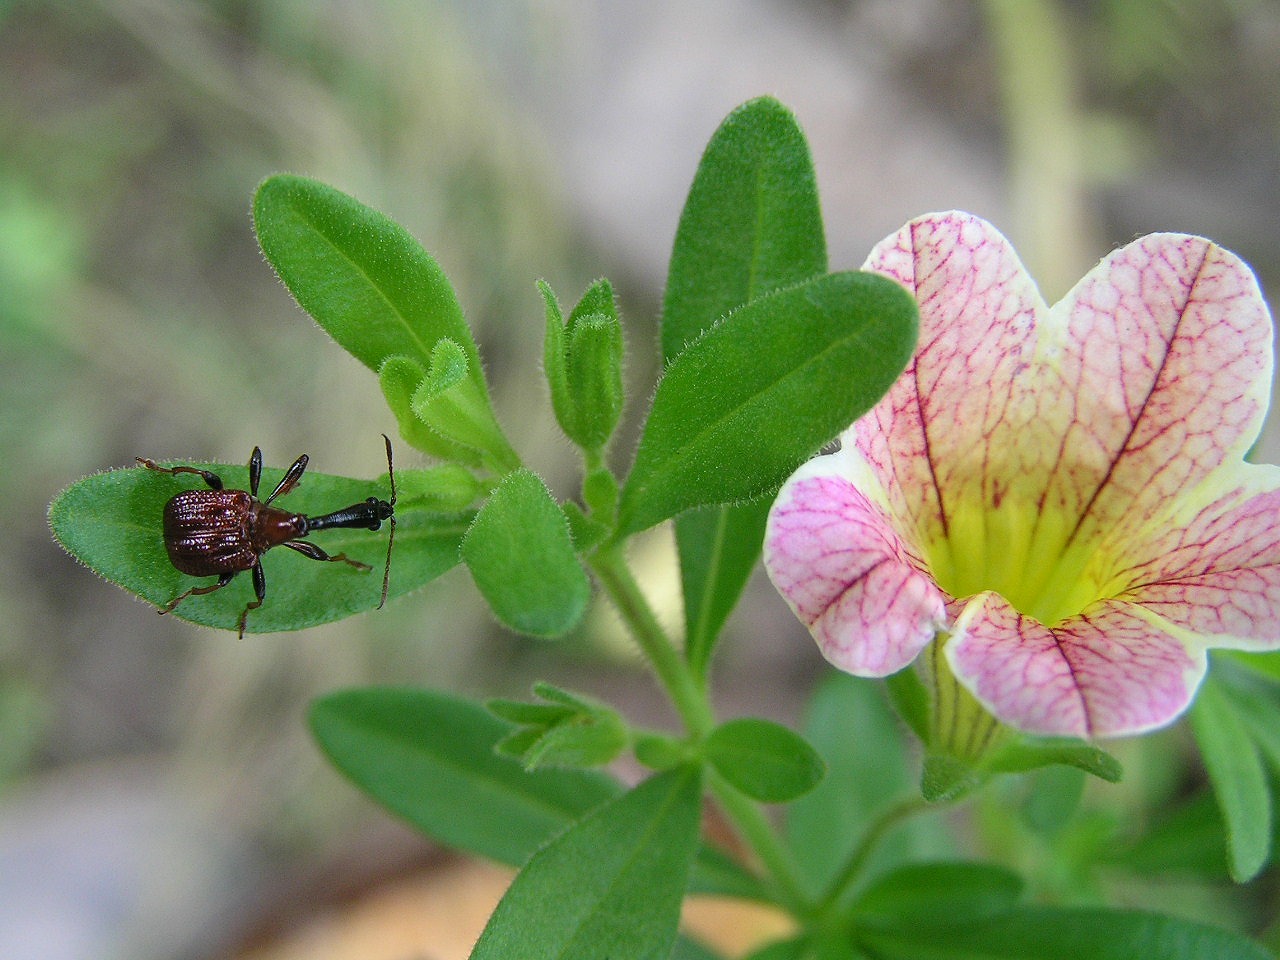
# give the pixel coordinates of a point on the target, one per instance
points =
(220, 533)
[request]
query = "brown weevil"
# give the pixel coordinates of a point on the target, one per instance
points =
(219, 533)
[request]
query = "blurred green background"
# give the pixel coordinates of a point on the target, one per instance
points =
(158, 794)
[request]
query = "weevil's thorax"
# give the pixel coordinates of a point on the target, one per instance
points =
(270, 526)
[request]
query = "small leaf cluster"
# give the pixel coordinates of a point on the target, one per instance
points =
(767, 355)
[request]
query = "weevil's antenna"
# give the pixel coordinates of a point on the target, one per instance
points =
(391, 538)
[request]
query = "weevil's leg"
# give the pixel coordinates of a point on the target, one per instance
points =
(308, 549)
(212, 479)
(199, 591)
(255, 470)
(259, 591)
(290, 480)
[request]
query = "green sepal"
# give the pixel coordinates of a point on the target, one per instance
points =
(764, 760)
(449, 403)
(595, 378)
(946, 778)
(1030, 753)
(910, 699)
(523, 561)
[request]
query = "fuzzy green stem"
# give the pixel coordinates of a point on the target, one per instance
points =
(879, 828)
(752, 826)
(611, 568)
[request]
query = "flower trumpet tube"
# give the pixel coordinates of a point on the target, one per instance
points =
(1056, 494)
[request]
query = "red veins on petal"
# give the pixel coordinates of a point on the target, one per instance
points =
(1218, 572)
(929, 439)
(1167, 361)
(1110, 671)
(849, 577)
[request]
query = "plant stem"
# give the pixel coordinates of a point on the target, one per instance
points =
(611, 568)
(690, 700)
(852, 870)
(753, 827)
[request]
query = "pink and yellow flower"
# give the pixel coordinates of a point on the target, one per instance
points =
(1056, 495)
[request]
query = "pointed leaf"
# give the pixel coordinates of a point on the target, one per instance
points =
(609, 886)
(743, 405)
(400, 377)
(718, 546)
(751, 224)
(111, 522)
(523, 561)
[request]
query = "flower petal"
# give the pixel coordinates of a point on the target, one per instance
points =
(932, 437)
(848, 576)
(1217, 572)
(1112, 671)
(1167, 362)
(1091, 414)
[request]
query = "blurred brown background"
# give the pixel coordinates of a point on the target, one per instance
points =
(158, 794)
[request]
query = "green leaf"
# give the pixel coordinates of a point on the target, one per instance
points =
(754, 396)
(359, 274)
(718, 874)
(371, 286)
(1264, 664)
(1238, 778)
(522, 559)
(751, 224)
(447, 487)
(1030, 753)
(609, 886)
(429, 757)
(1048, 933)
(938, 893)
(689, 949)
(764, 760)
(853, 729)
(111, 522)
(718, 548)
